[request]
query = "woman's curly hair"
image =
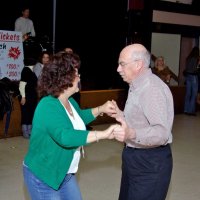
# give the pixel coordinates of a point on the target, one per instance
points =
(57, 75)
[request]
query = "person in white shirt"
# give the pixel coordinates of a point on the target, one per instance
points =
(28, 96)
(43, 59)
(25, 25)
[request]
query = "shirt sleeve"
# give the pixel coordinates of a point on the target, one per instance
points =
(157, 107)
(22, 85)
(37, 69)
(32, 29)
(17, 25)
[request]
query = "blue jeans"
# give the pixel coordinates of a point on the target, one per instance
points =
(191, 93)
(38, 190)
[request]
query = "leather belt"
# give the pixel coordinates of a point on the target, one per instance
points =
(162, 146)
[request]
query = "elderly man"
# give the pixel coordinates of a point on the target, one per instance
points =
(145, 128)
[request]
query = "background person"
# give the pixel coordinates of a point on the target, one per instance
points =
(59, 131)
(28, 95)
(44, 58)
(146, 125)
(25, 25)
(163, 71)
(68, 50)
(198, 95)
(191, 80)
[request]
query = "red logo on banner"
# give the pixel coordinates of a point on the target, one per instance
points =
(14, 53)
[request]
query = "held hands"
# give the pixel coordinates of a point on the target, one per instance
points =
(111, 109)
(109, 131)
(100, 135)
(121, 131)
(118, 114)
(108, 108)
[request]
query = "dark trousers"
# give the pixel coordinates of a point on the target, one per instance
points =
(146, 173)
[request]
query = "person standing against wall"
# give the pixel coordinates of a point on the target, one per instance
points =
(198, 95)
(163, 71)
(191, 80)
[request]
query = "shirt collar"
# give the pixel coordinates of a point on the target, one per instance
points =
(140, 79)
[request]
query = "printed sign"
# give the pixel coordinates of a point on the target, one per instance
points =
(11, 55)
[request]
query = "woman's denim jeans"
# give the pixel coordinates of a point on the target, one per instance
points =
(38, 190)
(191, 93)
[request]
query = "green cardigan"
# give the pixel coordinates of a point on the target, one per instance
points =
(54, 140)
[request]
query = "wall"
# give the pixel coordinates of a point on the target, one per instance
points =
(175, 31)
(96, 98)
(168, 46)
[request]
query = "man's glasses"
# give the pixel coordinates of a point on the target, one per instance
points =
(122, 64)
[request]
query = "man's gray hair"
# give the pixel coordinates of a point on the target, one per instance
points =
(145, 56)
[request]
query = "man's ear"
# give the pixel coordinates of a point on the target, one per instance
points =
(139, 64)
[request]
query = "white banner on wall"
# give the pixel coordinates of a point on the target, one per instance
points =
(11, 55)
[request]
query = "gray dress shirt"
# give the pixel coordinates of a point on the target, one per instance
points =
(149, 111)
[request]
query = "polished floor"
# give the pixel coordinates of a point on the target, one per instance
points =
(99, 172)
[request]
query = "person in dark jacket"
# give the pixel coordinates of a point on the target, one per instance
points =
(8, 90)
(6, 103)
(191, 80)
(28, 95)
